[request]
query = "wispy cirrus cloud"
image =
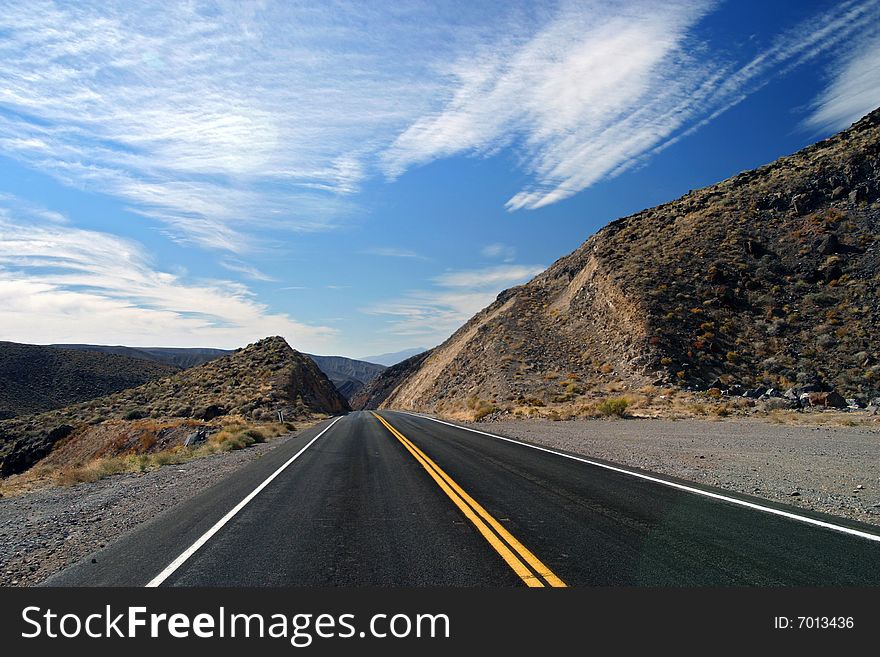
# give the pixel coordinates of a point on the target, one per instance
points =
(59, 283)
(213, 118)
(223, 119)
(854, 90)
(393, 252)
(454, 297)
(603, 86)
(506, 252)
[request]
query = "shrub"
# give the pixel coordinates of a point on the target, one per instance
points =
(614, 406)
(134, 414)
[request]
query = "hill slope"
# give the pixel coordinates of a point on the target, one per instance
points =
(348, 375)
(380, 387)
(35, 378)
(770, 278)
(254, 383)
(182, 357)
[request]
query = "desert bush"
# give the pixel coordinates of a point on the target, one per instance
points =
(613, 407)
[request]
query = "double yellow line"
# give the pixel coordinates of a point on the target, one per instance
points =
(515, 554)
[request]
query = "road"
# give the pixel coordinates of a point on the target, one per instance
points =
(394, 499)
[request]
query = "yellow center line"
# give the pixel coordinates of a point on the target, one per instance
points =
(516, 553)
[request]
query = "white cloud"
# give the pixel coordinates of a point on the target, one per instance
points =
(61, 284)
(392, 252)
(855, 90)
(505, 252)
(220, 120)
(601, 87)
(488, 277)
(213, 120)
(248, 271)
(434, 314)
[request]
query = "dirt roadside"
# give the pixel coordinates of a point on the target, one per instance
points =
(829, 469)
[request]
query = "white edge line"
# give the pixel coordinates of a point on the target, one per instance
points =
(671, 484)
(204, 538)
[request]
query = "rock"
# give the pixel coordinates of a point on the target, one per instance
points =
(754, 393)
(795, 493)
(826, 399)
(829, 245)
(777, 404)
(838, 192)
(209, 412)
(873, 409)
(853, 403)
(791, 395)
(197, 437)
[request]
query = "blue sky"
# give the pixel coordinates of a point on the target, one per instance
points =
(363, 177)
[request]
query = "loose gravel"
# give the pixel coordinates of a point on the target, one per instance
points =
(44, 531)
(833, 470)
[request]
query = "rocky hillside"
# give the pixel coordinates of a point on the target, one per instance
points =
(181, 357)
(254, 383)
(348, 375)
(35, 378)
(770, 279)
(383, 385)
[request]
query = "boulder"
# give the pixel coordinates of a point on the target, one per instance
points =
(777, 404)
(198, 436)
(209, 412)
(828, 245)
(826, 399)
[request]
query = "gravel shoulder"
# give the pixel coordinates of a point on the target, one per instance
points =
(833, 470)
(44, 531)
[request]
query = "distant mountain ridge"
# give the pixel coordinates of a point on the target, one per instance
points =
(347, 374)
(768, 280)
(36, 378)
(394, 357)
(182, 357)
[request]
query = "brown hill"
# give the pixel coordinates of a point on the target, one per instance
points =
(35, 378)
(255, 383)
(383, 384)
(767, 279)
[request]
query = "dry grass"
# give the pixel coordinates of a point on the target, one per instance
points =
(235, 433)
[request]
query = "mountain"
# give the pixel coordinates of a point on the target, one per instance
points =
(182, 357)
(768, 279)
(380, 387)
(394, 357)
(255, 383)
(348, 375)
(35, 378)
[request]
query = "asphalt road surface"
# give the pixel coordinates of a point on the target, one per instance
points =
(403, 500)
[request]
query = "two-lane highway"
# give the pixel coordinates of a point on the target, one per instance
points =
(394, 499)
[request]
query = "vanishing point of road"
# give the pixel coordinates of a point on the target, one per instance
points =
(396, 499)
